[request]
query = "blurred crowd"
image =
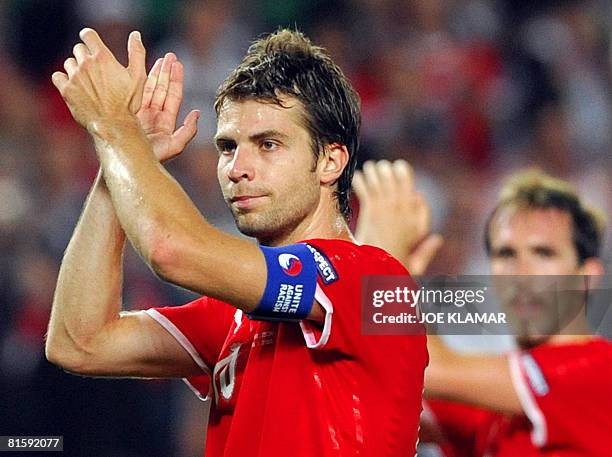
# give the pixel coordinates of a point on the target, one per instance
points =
(468, 91)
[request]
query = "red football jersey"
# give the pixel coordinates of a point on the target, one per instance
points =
(566, 394)
(303, 389)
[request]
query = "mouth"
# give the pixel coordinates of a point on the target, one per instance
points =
(246, 201)
(526, 307)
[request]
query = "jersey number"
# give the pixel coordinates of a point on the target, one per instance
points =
(225, 372)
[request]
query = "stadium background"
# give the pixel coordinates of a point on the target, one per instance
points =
(467, 90)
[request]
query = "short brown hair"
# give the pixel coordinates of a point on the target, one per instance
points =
(533, 189)
(287, 63)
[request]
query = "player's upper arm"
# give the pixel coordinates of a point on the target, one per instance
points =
(240, 273)
(231, 269)
(480, 380)
(212, 263)
(134, 346)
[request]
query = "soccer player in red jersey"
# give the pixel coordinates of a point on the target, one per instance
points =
(275, 341)
(553, 395)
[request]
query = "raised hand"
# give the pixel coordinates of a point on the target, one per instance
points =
(161, 101)
(96, 87)
(393, 215)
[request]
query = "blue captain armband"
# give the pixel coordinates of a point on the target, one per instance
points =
(291, 284)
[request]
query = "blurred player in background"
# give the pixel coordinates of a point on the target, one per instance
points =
(553, 395)
(276, 340)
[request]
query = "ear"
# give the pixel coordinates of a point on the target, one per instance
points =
(593, 267)
(332, 162)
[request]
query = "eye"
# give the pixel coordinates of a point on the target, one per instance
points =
(226, 147)
(505, 253)
(269, 145)
(544, 251)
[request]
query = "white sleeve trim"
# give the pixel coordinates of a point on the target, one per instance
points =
(309, 335)
(186, 344)
(196, 392)
(530, 406)
(427, 415)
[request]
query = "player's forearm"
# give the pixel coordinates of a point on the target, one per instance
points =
(443, 374)
(152, 208)
(479, 380)
(167, 229)
(440, 376)
(88, 291)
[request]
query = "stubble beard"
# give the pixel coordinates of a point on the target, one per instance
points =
(260, 225)
(275, 222)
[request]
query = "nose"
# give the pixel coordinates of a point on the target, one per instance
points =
(242, 165)
(523, 266)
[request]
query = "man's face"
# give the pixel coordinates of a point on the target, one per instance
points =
(266, 166)
(533, 252)
(533, 242)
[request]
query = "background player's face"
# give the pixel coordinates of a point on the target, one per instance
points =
(533, 242)
(266, 167)
(541, 289)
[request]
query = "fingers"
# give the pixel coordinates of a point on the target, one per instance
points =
(384, 178)
(187, 131)
(163, 81)
(136, 56)
(424, 253)
(80, 52)
(359, 186)
(393, 215)
(372, 178)
(70, 65)
(59, 80)
(404, 175)
(93, 41)
(422, 211)
(149, 86)
(136, 68)
(174, 97)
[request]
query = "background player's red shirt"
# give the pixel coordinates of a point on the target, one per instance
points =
(301, 389)
(566, 394)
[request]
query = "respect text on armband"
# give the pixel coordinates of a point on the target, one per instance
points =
(327, 272)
